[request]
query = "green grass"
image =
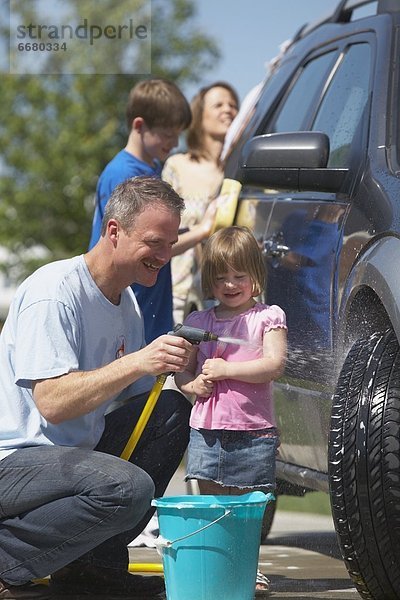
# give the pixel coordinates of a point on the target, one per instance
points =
(313, 502)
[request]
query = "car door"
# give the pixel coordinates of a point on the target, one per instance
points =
(302, 236)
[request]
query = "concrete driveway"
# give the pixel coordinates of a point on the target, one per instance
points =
(302, 559)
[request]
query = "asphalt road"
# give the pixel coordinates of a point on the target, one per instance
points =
(301, 557)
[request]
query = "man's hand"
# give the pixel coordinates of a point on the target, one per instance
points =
(166, 354)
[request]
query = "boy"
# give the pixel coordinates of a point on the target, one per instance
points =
(157, 113)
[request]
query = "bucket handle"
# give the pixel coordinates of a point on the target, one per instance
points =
(161, 542)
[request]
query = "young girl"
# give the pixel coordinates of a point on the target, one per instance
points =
(233, 438)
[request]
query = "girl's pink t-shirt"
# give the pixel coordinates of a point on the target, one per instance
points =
(235, 404)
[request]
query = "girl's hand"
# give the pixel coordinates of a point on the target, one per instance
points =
(202, 387)
(215, 369)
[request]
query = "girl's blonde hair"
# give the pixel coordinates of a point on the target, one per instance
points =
(232, 248)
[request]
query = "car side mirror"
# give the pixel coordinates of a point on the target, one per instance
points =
(290, 161)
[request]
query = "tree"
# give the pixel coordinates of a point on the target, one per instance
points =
(57, 132)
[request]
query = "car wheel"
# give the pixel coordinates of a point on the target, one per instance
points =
(364, 465)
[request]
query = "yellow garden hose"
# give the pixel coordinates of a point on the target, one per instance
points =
(144, 417)
(145, 568)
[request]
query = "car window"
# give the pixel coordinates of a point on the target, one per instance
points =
(296, 106)
(344, 103)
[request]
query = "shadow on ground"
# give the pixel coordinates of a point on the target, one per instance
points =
(315, 541)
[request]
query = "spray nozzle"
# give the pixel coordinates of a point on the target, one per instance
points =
(193, 334)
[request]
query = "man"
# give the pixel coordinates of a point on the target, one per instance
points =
(72, 345)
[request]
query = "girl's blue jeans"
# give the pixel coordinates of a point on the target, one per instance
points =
(58, 503)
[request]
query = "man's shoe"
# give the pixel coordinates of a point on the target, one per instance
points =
(78, 578)
(27, 591)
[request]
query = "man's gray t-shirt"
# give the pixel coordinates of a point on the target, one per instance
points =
(60, 322)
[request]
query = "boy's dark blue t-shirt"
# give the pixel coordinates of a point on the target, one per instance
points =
(156, 301)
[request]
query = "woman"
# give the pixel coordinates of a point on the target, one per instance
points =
(197, 175)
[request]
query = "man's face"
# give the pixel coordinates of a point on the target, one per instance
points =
(141, 253)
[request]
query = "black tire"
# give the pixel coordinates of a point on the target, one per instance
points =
(364, 465)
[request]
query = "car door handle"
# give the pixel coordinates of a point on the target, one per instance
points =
(274, 248)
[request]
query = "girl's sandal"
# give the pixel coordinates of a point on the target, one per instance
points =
(262, 586)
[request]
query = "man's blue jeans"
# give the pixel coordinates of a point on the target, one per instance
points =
(58, 504)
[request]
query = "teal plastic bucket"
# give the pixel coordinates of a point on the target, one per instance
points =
(210, 545)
